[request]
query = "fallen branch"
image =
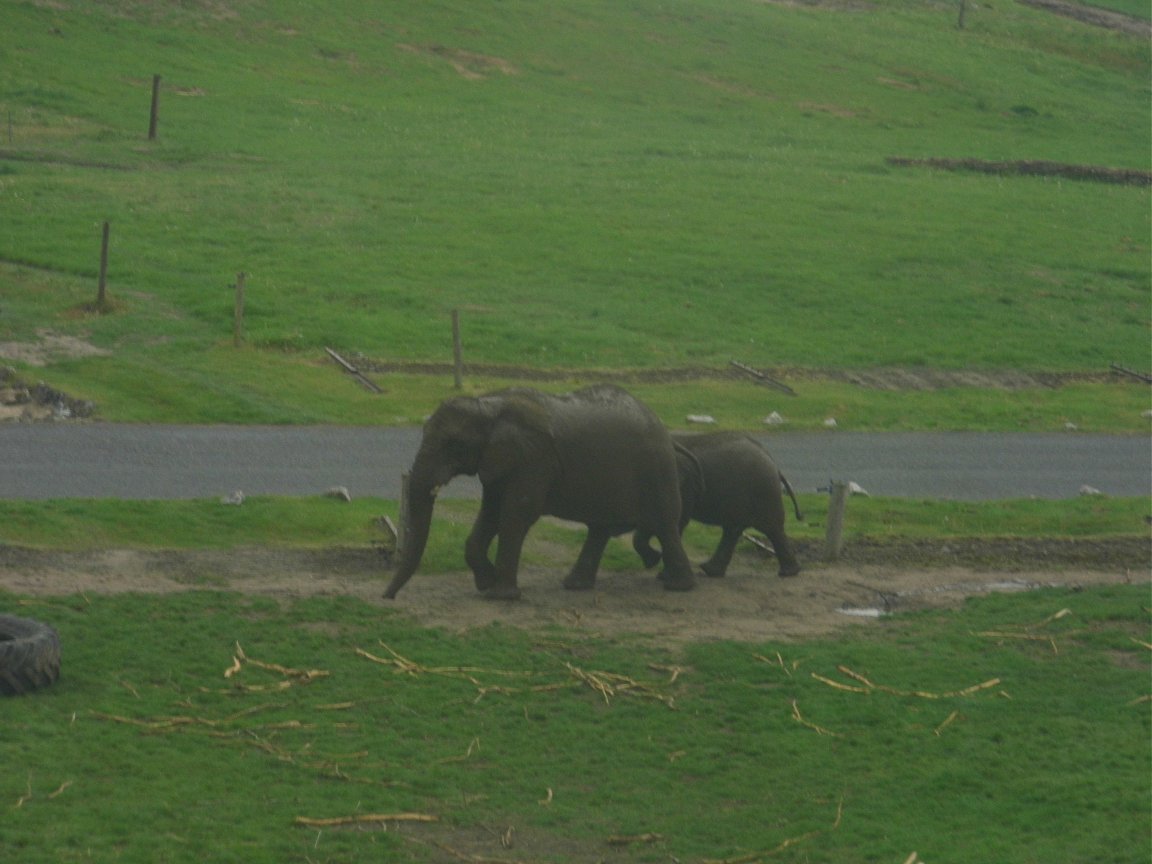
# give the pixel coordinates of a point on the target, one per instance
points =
(760, 376)
(353, 371)
(1139, 376)
(364, 818)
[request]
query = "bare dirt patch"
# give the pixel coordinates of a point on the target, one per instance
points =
(48, 347)
(750, 604)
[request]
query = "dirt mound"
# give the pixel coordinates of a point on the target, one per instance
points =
(750, 604)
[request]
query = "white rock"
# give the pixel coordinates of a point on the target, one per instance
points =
(339, 492)
(1147, 415)
(701, 418)
(236, 498)
(774, 419)
(855, 488)
(830, 422)
(1070, 426)
(1090, 490)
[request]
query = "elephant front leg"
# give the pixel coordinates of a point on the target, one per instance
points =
(480, 540)
(582, 577)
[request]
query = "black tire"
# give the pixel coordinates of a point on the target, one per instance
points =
(29, 655)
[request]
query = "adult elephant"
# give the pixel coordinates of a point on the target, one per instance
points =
(728, 479)
(597, 456)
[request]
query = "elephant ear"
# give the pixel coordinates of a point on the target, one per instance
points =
(527, 413)
(521, 434)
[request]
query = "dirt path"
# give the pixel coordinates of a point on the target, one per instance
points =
(750, 604)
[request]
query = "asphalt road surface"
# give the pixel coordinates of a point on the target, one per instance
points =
(99, 460)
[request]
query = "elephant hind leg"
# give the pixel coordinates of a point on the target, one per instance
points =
(677, 575)
(717, 565)
(642, 543)
(785, 555)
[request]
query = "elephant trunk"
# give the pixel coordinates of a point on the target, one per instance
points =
(421, 498)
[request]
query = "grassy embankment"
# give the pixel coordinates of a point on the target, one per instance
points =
(617, 186)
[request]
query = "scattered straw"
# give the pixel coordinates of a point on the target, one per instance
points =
(951, 718)
(800, 719)
(1025, 631)
(870, 687)
(292, 677)
(754, 857)
(779, 661)
(608, 685)
(364, 818)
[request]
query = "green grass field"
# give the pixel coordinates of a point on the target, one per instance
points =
(592, 185)
(206, 725)
(83, 524)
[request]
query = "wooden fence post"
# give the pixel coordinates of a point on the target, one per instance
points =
(402, 516)
(238, 317)
(457, 351)
(154, 117)
(834, 533)
(102, 282)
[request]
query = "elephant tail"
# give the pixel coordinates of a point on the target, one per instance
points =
(691, 471)
(795, 504)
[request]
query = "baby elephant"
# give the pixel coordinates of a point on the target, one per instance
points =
(728, 479)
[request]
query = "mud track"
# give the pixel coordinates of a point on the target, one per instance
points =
(750, 604)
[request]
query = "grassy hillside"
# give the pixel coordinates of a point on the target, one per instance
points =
(630, 184)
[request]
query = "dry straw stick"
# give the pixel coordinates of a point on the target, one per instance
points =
(1024, 632)
(364, 818)
(799, 719)
(870, 687)
(755, 857)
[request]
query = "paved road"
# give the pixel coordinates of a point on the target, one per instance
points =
(142, 462)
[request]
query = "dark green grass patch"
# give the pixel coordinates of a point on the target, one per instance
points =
(319, 522)
(204, 724)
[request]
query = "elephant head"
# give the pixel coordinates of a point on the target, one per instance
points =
(465, 435)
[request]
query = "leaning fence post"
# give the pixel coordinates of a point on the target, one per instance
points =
(834, 533)
(457, 351)
(102, 281)
(238, 315)
(402, 516)
(154, 117)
